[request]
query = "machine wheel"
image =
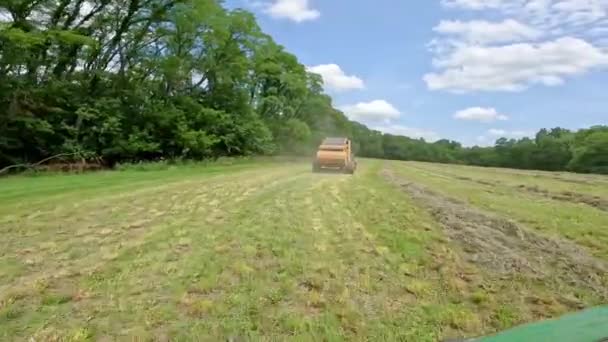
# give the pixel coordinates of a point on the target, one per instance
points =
(349, 169)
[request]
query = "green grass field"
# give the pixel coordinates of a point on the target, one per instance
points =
(270, 251)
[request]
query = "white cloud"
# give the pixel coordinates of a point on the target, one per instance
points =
(542, 12)
(497, 132)
(379, 115)
(580, 11)
(373, 111)
(493, 134)
(411, 132)
(335, 78)
(602, 43)
(5, 16)
(514, 67)
(86, 8)
(510, 134)
(481, 31)
(483, 141)
(489, 139)
(507, 54)
(599, 31)
(536, 6)
(545, 13)
(296, 10)
(475, 4)
(480, 114)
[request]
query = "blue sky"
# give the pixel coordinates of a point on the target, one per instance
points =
(469, 70)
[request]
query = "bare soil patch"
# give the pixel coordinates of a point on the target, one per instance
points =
(502, 246)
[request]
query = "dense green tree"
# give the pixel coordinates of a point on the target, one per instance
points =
(553, 149)
(130, 80)
(590, 153)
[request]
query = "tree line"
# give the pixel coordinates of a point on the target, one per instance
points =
(111, 81)
(557, 149)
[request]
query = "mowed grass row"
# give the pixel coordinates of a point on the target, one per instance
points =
(61, 253)
(266, 252)
(555, 182)
(25, 192)
(253, 251)
(517, 296)
(503, 192)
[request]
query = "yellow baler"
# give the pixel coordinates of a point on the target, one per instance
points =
(337, 154)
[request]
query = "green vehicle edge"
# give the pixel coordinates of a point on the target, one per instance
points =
(589, 325)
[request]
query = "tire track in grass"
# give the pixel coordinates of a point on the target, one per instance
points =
(127, 239)
(256, 269)
(132, 212)
(47, 191)
(392, 240)
(568, 196)
(180, 267)
(325, 294)
(576, 222)
(282, 255)
(455, 297)
(358, 286)
(284, 278)
(243, 265)
(72, 203)
(502, 246)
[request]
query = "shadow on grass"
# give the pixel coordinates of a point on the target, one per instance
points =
(331, 171)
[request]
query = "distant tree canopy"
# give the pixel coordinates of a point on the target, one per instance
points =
(557, 149)
(132, 80)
